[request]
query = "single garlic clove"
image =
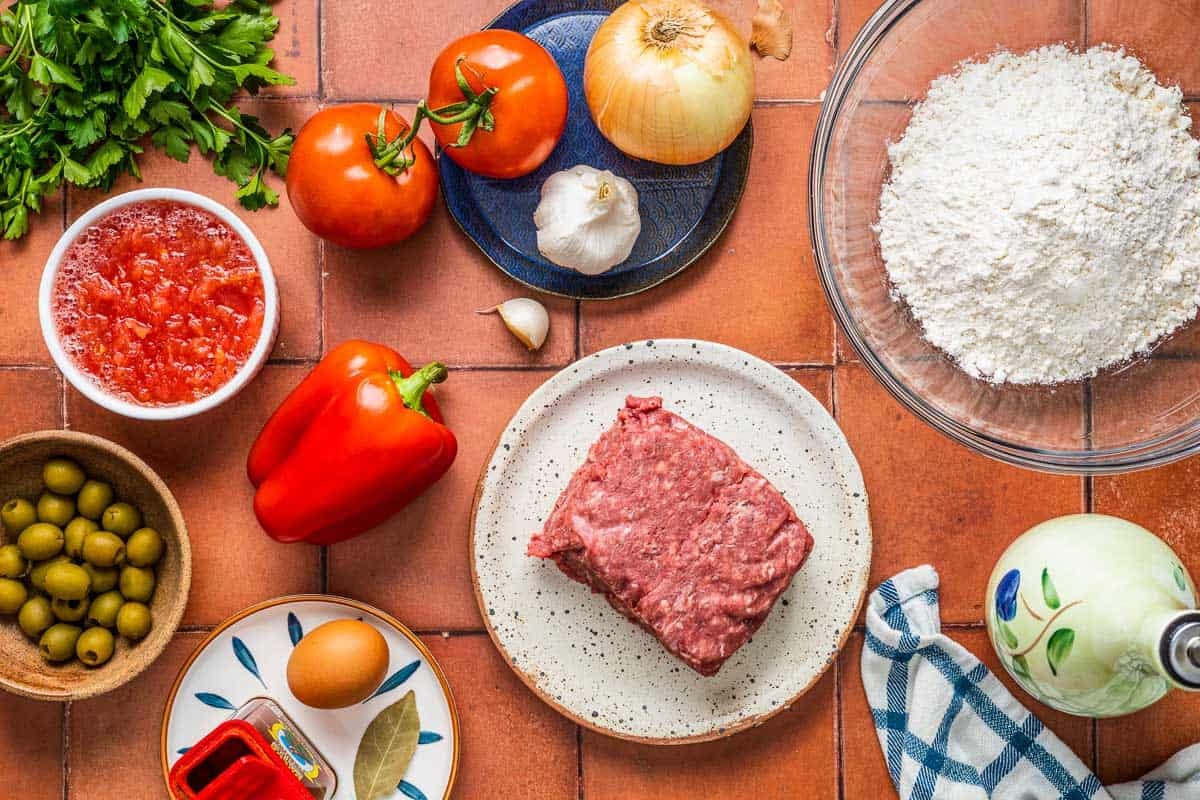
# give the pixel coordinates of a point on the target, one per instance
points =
(526, 318)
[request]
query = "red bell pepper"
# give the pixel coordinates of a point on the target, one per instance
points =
(353, 444)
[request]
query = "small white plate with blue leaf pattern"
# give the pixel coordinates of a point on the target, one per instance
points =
(246, 657)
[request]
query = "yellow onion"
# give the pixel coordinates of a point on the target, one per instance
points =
(669, 81)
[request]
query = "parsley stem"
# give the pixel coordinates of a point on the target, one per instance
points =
(29, 25)
(18, 49)
(28, 124)
(222, 112)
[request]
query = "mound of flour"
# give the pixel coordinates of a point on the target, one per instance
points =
(1042, 219)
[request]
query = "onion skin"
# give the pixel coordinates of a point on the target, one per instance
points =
(669, 81)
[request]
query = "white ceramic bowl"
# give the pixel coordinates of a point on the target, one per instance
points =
(89, 387)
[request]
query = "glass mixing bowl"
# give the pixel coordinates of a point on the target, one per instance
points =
(1141, 414)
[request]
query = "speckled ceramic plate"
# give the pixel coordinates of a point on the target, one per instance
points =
(246, 657)
(568, 644)
(684, 208)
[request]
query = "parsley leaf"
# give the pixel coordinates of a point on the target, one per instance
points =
(84, 83)
(150, 80)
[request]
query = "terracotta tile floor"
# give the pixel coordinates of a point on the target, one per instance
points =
(931, 500)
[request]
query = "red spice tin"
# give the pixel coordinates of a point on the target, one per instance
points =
(260, 754)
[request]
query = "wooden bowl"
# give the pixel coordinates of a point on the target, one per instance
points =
(22, 669)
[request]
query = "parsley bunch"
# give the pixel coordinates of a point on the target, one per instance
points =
(84, 83)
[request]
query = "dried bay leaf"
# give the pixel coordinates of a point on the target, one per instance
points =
(386, 749)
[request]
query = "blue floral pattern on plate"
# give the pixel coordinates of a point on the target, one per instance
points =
(684, 209)
(248, 658)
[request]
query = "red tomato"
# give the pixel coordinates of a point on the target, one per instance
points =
(529, 107)
(339, 193)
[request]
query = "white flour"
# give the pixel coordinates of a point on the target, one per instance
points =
(1042, 219)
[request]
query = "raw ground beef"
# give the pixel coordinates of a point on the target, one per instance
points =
(677, 532)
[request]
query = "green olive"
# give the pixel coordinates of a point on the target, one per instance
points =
(121, 518)
(144, 548)
(104, 608)
(104, 549)
(54, 508)
(12, 563)
(94, 497)
(13, 595)
(137, 583)
(63, 476)
(35, 616)
(69, 610)
(95, 646)
(58, 642)
(133, 621)
(74, 534)
(40, 541)
(17, 515)
(103, 578)
(67, 581)
(37, 573)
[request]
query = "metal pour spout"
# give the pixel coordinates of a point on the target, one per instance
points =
(1180, 650)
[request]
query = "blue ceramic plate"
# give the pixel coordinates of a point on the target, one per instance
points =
(684, 209)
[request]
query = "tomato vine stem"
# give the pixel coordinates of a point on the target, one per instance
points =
(473, 112)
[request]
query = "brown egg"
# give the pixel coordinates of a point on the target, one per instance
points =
(337, 664)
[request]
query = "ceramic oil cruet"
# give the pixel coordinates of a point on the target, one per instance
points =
(1094, 616)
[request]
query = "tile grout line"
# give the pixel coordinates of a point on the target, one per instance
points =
(281, 99)
(578, 329)
(323, 565)
(285, 361)
(322, 266)
(320, 49)
(835, 27)
(308, 361)
(322, 254)
(579, 760)
(65, 739)
(759, 102)
(447, 633)
(780, 102)
(860, 627)
(833, 396)
(804, 365)
(1089, 485)
(322, 271)
(507, 367)
(839, 742)
(63, 417)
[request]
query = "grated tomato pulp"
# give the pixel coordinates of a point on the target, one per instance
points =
(160, 302)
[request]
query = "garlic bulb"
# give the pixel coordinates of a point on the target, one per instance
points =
(587, 220)
(527, 319)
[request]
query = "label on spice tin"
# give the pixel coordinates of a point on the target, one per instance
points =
(291, 745)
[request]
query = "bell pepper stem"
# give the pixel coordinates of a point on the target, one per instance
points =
(412, 389)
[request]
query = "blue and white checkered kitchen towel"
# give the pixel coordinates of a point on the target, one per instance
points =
(951, 731)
